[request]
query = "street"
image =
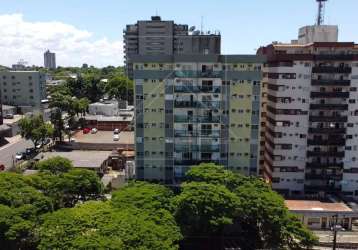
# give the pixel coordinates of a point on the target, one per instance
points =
(8, 151)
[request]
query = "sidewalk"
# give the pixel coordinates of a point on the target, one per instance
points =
(11, 141)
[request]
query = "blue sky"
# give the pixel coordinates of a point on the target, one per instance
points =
(244, 25)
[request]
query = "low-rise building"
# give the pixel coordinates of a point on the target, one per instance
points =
(322, 215)
(23, 88)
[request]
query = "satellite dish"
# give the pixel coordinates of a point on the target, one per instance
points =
(192, 28)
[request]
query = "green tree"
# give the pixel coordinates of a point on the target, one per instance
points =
(20, 208)
(97, 225)
(143, 195)
(261, 219)
(55, 165)
(120, 87)
(35, 129)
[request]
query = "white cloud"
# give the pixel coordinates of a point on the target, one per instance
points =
(20, 39)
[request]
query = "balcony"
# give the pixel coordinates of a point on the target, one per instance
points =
(332, 70)
(329, 94)
(324, 176)
(327, 130)
(339, 154)
(198, 104)
(199, 133)
(196, 119)
(193, 162)
(196, 148)
(197, 89)
(331, 57)
(324, 165)
(329, 106)
(326, 188)
(197, 74)
(328, 118)
(332, 82)
(329, 142)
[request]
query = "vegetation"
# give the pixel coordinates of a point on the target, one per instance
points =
(64, 208)
(35, 129)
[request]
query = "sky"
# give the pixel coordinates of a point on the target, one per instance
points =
(91, 31)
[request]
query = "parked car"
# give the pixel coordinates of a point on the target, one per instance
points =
(20, 156)
(86, 130)
(29, 151)
(2, 167)
(94, 130)
(116, 137)
(116, 131)
(9, 116)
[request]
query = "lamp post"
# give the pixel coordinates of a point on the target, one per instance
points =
(335, 229)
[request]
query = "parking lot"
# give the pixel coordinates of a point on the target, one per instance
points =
(125, 137)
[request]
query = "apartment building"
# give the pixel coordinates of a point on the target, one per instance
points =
(22, 88)
(191, 109)
(311, 117)
(49, 60)
(158, 37)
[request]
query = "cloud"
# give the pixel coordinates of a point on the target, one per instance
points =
(20, 39)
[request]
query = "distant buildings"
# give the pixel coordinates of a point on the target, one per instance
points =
(157, 37)
(23, 88)
(196, 108)
(49, 60)
(310, 110)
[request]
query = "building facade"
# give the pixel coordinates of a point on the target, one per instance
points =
(191, 109)
(23, 88)
(49, 60)
(158, 37)
(311, 118)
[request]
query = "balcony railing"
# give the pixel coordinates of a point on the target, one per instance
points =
(329, 106)
(196, 119)
(199, 133)
(328, 118)
(198, 74)
(332, 69)
(334, 57)
(197, 148)
(329, 94)
(197, 104)
(193, 162)
(338, 154)
(324, 165)
(332, 82)
(327, 130)
(197, 89)
(311, 176)
(338, 142)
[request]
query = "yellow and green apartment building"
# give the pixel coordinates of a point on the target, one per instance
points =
(196, 108)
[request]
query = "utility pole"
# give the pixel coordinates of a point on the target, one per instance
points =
(335, 230)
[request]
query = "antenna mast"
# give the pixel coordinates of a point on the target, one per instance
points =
(320, 16)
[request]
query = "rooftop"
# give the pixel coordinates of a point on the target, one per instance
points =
(80, 159)
(316, 206)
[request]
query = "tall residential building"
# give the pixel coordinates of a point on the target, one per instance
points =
(157, 37)
(22, 88)
(49, 60)
(196, 108)
(311, 114)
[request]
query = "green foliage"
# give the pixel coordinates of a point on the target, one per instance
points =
(142, 195)
(119, 87)
(55, 165)
(260, 218)
(204, 209)
(20, 207)
(35, 129)
(97, 225)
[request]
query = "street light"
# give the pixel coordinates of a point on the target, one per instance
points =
(335, 229)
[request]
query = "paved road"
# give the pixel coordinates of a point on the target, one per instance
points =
(8, 151)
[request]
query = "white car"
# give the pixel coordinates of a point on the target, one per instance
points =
(116, 131)
(116, 137)
(20, 156)
(94, 130)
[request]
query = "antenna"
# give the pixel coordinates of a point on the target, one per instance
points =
(201, 25)
(320, 16)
